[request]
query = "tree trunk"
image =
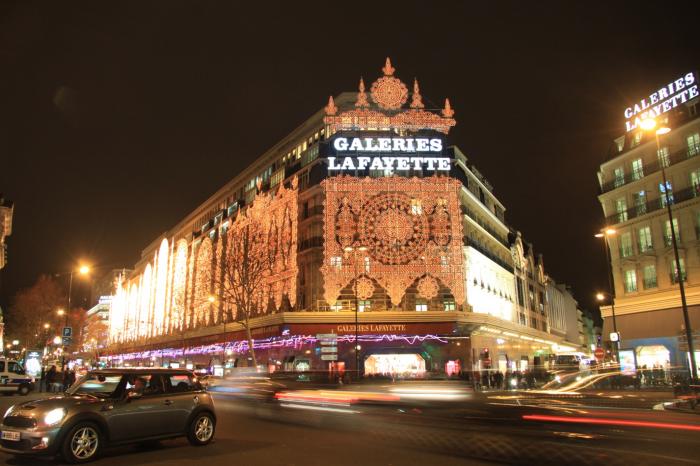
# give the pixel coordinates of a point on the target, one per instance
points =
(250, 342)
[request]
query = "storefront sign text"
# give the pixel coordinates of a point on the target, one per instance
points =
(664, 100)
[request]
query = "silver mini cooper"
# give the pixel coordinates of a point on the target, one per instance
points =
(111, 407)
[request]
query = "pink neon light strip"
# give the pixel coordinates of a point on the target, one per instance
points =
(610, 422)
(295, 342)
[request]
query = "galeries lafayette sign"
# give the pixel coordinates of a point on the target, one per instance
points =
(394, 148)
(664, 100)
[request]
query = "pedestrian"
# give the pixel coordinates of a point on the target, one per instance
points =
(68, 379)
(51, 376)
(42, 380)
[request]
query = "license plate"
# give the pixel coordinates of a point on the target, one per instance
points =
(10, 435)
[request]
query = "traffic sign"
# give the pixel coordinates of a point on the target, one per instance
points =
(68, 332)
(327, 336)
(67, 340)
(329, 349)
(599, 354)
(329, 357)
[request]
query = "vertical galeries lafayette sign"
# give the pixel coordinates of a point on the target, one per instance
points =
(387, 153)
(663, 100)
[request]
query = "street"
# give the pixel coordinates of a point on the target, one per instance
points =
(485, 430)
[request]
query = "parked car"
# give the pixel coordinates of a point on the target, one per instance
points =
(13, 378)
(111, 407)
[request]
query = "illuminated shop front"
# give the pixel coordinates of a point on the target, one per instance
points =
(364, 215)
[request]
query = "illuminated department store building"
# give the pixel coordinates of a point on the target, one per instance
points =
(370, 216)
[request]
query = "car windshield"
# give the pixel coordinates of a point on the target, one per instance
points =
(100, 385)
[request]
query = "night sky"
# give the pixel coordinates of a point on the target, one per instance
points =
(116, 121)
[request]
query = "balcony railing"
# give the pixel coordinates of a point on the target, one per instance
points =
(483, 250)
(649, 168)
(653, 205)
(498, 236)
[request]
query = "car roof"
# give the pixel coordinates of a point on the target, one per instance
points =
(141, 370)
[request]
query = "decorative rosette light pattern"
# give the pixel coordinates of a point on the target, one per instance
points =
(406, 229)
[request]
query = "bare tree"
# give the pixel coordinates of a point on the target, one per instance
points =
(34, 306)
(241, 277)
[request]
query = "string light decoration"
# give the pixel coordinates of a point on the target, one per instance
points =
(365, 288)
(159, 306)
(174, 291)
(428, 287)
(179, 286)
(410, 228)
(389, 95)
(389, 92)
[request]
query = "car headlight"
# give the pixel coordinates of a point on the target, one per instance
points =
(54, 416)
(9, 411)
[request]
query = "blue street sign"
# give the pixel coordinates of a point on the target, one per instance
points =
(67, 332)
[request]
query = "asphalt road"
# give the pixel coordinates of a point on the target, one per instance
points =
(443, 434)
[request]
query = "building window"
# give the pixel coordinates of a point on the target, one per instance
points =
(363, 305)
(674, 271)
(695, 182)
(337, 307)
(640, 202)
(693, 144)
(522, 319)
(619, 177)
(421, 305)
(621, 208)
(645, 243)
(521, 295)
(666, 192)
(637, 169)
(336, 261)
(625, 245)
(636, 139)
(649, 276)
(416, 207)
(277, 177)
(668, 239)
(449, 305)
(664, 159)
(531, 297)
(304, 180)
(366, 264)
(630, 281)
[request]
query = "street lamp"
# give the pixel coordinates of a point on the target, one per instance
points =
(83, 270)
(650, 124)
(355, 253)
(606, 233)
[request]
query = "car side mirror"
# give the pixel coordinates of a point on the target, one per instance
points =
(132, 395)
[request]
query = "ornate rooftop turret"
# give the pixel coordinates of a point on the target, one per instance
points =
(389, 95)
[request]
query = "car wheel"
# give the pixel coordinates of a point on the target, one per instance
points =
(23, 390)
(201, 430)
(82, 444)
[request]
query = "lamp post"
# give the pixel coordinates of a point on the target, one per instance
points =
(355, 253)
(649, 125)
(600, 296)
(83, 270)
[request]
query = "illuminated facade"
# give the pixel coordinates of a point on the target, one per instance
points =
(364, 213)
(647, 299)
(6, 212)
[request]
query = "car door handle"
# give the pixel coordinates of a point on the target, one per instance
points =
(168, 402)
